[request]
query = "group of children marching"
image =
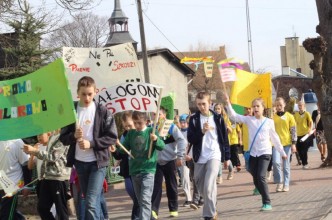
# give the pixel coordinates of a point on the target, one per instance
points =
(198, 145)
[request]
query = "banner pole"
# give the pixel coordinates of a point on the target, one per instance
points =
(125, 149)
(155, 121)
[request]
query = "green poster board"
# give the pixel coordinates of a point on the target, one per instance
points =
(167, 103)
(35, 103)
(238, 109)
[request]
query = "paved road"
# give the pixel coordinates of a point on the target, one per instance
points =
(310, 197)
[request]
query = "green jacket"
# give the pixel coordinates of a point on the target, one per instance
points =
(138, 143)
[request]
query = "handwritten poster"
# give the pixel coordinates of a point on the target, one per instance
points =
(7, 185)
(163, 131)
(108, 66)
(130, 96)
(35, 103)
(208, 69)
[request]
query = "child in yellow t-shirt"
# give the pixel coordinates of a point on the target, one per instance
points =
(234, 138)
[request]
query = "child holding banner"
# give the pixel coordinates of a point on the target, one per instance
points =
(142, 168)
(13, 164)
(89, 140)
(128, 124)
(208, 135)
(261, 134)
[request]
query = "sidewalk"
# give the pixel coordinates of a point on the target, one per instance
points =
(310, 197)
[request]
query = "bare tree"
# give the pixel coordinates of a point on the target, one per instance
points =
(321, 48)
(85, 30)
(70, 5)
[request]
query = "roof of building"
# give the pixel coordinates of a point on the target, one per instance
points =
(122, 37)
(170, 56)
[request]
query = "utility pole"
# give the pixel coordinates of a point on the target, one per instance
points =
(250, 52)
(142, 33)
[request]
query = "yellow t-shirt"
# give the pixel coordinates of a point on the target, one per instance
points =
(302, 123)
(233, 137)
(245, 137)
(283, 126)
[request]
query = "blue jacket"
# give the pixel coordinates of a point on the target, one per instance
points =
(195, 136)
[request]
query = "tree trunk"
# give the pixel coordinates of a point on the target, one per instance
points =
(322, 80)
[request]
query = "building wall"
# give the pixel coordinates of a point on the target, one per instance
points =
(295, 56)
(165, 73)
(283, 84)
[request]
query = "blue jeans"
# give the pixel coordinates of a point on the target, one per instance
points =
(91, 180)
(130, 190)
(143, 185)
(103, 207)
(277, 160)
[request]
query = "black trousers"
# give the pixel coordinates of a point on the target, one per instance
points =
(235, 155)
(53, 191)
(169, 172)
(6, 205)
(258, 167)
(302, 148)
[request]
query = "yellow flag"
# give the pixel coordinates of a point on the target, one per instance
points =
(250, 86)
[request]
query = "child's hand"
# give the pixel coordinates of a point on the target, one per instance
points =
(78, 133)
(188, 158)
(112, 148)
(153, 137)
(117, 142)
(206, 127)
(226, 98)
(179, 162)
(28, 149)
(84, 144)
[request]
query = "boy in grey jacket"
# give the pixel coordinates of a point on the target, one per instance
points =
(54, 177)
(168, 160)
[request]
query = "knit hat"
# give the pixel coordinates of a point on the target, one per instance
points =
(183, 117)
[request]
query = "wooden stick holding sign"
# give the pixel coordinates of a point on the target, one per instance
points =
(155, 121)
(125, 149)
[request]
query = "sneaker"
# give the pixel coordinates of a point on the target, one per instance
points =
(266, 207)
(268, 175)
(174, 214)
(238, 168)
(215, 217)
(305, 167)
(200, 203)
(154, 215)
(219, 180)
(255, 192)
(186, 203)
(279, 187)
(285, 189)
(230, 175)
(194, 205)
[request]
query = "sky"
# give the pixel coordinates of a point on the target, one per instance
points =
(214, 23)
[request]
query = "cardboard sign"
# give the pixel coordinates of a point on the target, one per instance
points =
(35, 103)
(130, 96)
(7, 185)
(108, 66)
(163, 131)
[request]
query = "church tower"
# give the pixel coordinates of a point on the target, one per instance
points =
(118, 24)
